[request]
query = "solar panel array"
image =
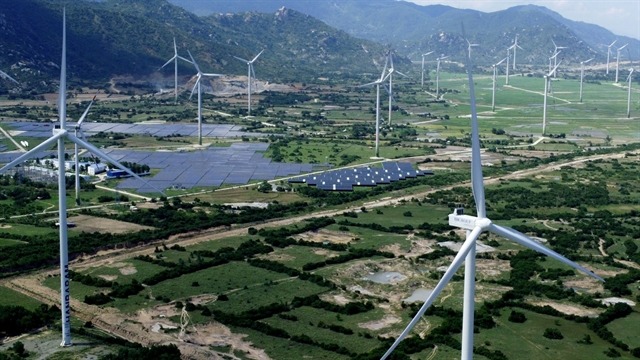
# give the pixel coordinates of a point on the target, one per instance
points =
(346, 179)
(44, 130)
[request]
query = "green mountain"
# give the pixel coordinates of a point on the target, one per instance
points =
(134, 37)
(415, 29)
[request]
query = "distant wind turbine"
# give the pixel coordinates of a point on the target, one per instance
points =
(423, 55)
(377, 85)
(495, 71)
(78, 133)
(629, 93)
(618, 60)
(391, 70)
(515, 46)
(506, 78)
(175, 59)
(469, 46)
(475, 226)
(556, 52)
(442, 57)
(609, 54)
(547, 84)
(582, 75)
(250, 73)
(199, 76)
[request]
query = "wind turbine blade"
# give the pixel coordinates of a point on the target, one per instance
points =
(4, 75)
(194, 62)
(371, 83)
(257, 56)
(168, 62)
(86, 111)
(33, 152)
(614, 41)
(253, 72)
(62, 96)
(525, 241)
(194, 86)
(455, 265)
(623, 46)
(477, 185)
(99, 153)
(212, 75)
(241, 59)
(586, 61)
(384, 70)
(398, 72)
(518, 46)
(185, 59)
(429, 53)
(554, 69)
(501, 61)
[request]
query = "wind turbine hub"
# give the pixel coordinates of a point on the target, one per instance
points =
(57, 130)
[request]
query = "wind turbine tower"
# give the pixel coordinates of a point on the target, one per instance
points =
(199, 76)
(423, 55)
(475, 226)
(442, 57)
(250, 73)
(609, 54)
(78, 132)
(629, 93)
(506, 78)
(60, 133)
(547, 84)
(618, 59)
(582, 75)
(175, 59)
(495, 71)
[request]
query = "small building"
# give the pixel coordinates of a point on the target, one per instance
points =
(94, 169)
(116, 174)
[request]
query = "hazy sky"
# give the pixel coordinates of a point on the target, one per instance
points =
(622, 17)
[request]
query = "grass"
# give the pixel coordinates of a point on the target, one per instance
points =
(9, 297)
(279, 348)
(622, 329)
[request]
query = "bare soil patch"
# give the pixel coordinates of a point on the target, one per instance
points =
(385, 322)
(323, 235)
(91, 224)
(569, 309)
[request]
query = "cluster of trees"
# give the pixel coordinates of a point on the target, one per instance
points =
(351, 255)
(15, 320)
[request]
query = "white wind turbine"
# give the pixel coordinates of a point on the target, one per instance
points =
(78, 131)
(547, 84)
(609, 54)
(495, 71)
(582, 75)
(4, 75)
(475, 226)
(59, 135)
(199, 76)
(250, 73)
(423, 55)
(629, 93)
(618, 60)
(391, 71)
(506, 78)
(556, 52)
(442, 57)
(377, 84)
(553, 72)
(515, 46)
(175, 59)
(469, 46)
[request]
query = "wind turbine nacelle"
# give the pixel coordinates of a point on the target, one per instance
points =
(467, 222)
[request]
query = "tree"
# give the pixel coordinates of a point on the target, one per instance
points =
(553, 333)
(264, 187)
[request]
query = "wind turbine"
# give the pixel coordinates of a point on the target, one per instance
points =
(609, 54)
(618, 59)
(59, 135)
(175, 59)
(250, 73)
(377, 84)
(553, 72)
(78, 131)
(582, 75)
(495, 71)
(423, 55)
(4, 75)
(556, 52)
(475, 226)
(547, 84)
(629, 93)
(515, 46)
(199, 76)
(469, 46)
(442, 57)
(506, 78)
(391, 70)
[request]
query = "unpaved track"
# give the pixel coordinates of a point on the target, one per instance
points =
(117, 323)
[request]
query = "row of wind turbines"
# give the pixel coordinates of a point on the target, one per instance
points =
(199, 75)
